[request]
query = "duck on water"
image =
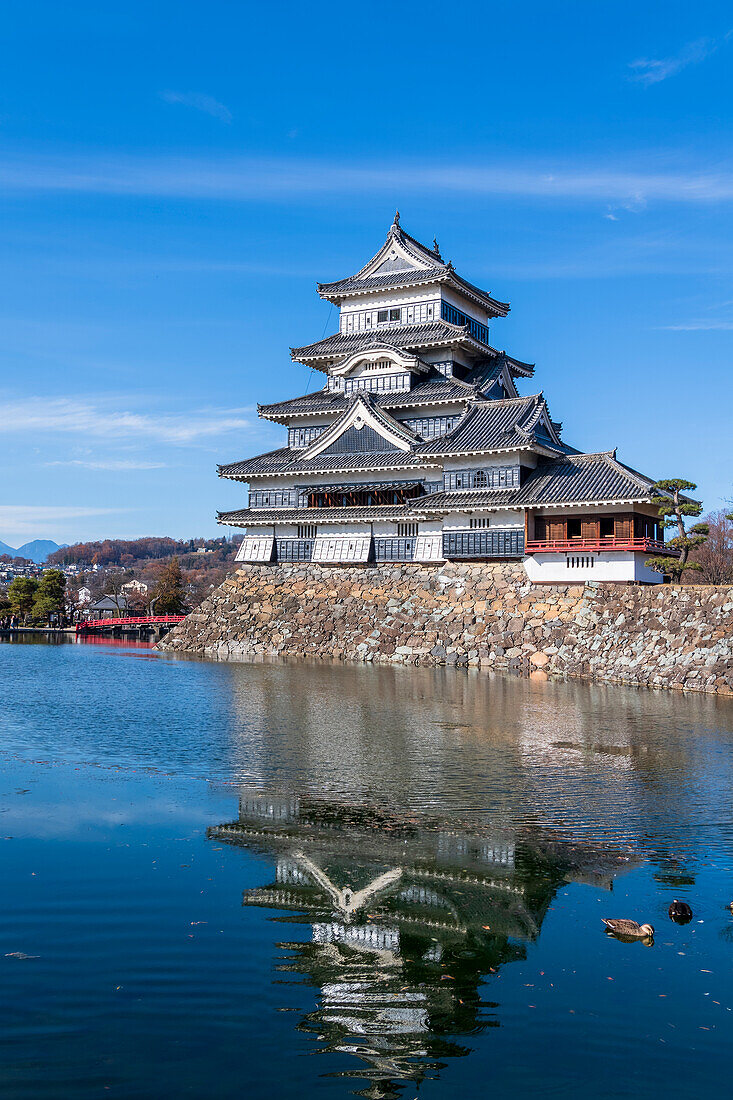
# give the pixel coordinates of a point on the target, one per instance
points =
(628, 929)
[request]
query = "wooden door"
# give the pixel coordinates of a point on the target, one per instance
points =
(590, 529)
(623, 527)
(556, 529)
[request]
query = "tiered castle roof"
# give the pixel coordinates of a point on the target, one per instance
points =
(402, 263)
(405, 401)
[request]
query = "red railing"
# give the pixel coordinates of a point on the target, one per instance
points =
(562, 546)
(142, 620)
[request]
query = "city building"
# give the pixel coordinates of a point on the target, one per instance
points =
(108, 607)
(420, 447)
(134, 586)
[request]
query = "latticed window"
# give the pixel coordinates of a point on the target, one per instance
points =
(379, 382)
(492, 477)
(406, 530)
(274, 498)
(307, 530)
(477, 523)
(303, 437)
(431, 426)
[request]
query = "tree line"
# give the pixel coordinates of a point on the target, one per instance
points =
(35, 601)
(124, 552)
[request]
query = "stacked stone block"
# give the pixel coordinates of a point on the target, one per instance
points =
(479, 615)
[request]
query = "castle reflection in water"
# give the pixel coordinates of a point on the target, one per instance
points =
(409, 917)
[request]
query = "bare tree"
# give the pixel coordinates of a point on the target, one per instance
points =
(715, 556)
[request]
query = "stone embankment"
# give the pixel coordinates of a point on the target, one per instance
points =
(481, 615)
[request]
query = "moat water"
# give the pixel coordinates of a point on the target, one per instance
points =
(289, 880)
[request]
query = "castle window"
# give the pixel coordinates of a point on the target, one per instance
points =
(478, 522)
(307, 530)
(406, 530)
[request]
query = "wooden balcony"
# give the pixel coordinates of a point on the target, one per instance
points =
(596, 545)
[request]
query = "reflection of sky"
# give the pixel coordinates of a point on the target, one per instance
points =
(512, 749)
(150, 969)
(88, 804)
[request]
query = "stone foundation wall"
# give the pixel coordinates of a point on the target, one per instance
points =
(485, 615)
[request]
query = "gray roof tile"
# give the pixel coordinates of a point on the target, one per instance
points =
(470, 498)
(355, 514)
(408, 275)
(287, 460)
(434, 333)
(493, 425)
(429, 392)
(583, 477)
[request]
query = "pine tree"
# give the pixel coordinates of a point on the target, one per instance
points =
(673, 507)
(50, 596)
(21, 593)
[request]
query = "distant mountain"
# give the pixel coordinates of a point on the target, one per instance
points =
(36, 551)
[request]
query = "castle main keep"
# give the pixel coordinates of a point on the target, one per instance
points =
(420, 448)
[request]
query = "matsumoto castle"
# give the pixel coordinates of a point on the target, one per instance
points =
(420, 447)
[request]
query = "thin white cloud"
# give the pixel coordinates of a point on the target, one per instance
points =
(240, 179)
(108, 464)
(710, 325)
(654, 70)
(199, 102)
(98, 420)
(29, 519)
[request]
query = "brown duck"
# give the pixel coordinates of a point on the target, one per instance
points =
(628, 928)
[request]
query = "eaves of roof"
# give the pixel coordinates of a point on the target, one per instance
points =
(436, 270)
(401, 337)
(468, 499)
(286, 461)
(429, 392)
(269, 516)
(584, 479)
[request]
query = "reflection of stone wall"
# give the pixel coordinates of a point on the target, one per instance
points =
(485, 615)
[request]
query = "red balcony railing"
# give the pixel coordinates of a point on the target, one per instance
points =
(611, 542)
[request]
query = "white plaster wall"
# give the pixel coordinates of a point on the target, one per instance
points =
(607, 566)
(642, 572)
(387, 529)
(414, 412)
(459, 521)
(351, 529)
(418, 306)
(259, 531)
(481, 462)
(471, 309)
(311, 420)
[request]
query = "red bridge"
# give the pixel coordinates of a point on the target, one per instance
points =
(143, 623)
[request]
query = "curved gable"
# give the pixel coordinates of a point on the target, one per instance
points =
(363, 427)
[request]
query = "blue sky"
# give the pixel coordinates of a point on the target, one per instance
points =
(175, 178)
